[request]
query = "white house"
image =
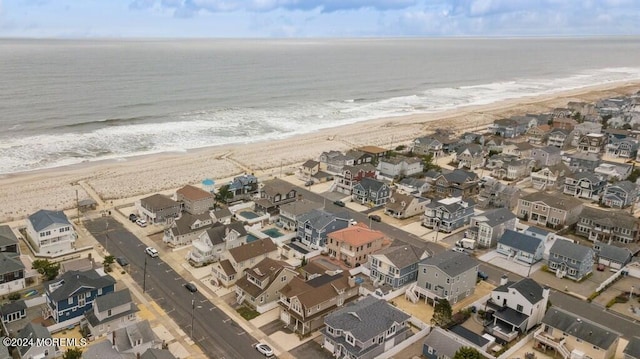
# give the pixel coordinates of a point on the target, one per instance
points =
(399, 166)
(50, 233)
(215, 240)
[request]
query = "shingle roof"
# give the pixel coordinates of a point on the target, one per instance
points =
(154, 353)
(159, 201)
(530, 289)
(553, 200)
(627, 186)
(317, 290)
(578, 327)
(125, 337)
(468, 335)
(450, 262)
(617, 254)
(310, 163)
(9, 263)
(536, 232)
(460, 176)
(402, 256)
(13, 307)
(74, 280)
(399, 159)
(194, 193)
(319, 218)
(44, 218)
(299, 207)
(496, 216)
(183, 224)
(218, 233)
(112, 300)
(356, 235)
(266, 268)
(520, 241)
(7, 237)
(571, 250)
(371, 184)
(615, 218)
(633, 348)
(32, 330)
(366, 318)
(275, 186)
(443, 343)
(253, 249)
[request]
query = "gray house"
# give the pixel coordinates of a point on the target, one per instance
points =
(487, 227)
(599, 225)
(110, 312)
(395, 266)
(36, 331)
(243, 187)
(583, 162)
(612, 256)
(8, 241)
(158, 208)
(521, 247)
(632, 350)
(546, 156)
(568, 259)
(314, 226)
(365, 329)
(584, 185)
(371, 192)
(443, 344)
(448, 214)
(290, 212)
(620, 194)
(451, 275)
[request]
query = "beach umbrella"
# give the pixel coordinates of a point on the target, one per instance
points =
(208, 185)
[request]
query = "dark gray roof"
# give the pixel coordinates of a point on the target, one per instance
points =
(633, 348)
(402, 256)
(127, 336)
(241, 181)
(13, 307)
(534, 231)
(371, 184)
(528, 287)
(103, 350)
(300, 207)
(319, 218)
(7, 237)
(460, 176)
(571, 250)
(159, 201)
(450, 262)
(469, 335)
(154, 353)
(32, 330)
(113, 299)
(44, 218)
(511, 316)
(218, 233)
(76, 281)
(553, 200)
(182, 225)
(412, 182)
(310, 163)
(626, 186)
(366, 318)
(9, 263)
(496, 216)
(444, 343)
(590, 332)
(610, 218)
(520, 241)
(617, 254)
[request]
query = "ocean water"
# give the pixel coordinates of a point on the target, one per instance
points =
(70, 101)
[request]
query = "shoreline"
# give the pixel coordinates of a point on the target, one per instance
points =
(55, 188)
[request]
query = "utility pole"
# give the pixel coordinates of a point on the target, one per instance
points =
(77, 207)
(144, 278)
(193, 308)
(106, 240)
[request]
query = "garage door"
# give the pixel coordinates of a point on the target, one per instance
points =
(284, 316)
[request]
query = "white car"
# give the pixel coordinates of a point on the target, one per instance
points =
(151, 252)
(141, 222)
(264, 349)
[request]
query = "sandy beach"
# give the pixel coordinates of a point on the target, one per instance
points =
(24, 193)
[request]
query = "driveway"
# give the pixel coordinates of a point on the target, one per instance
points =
(311, 350)
(500, 261)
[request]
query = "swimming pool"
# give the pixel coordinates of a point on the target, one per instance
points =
(273, 232)
(251, 238)
(248, 214)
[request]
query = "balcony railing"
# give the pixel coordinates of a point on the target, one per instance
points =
(558, 344)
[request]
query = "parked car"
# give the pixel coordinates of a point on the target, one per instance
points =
(133, 217)
(375, 218)
(152, 252)
(483, 276)
(191, 287)
(122, 261)
(308, 183)
(141, 222)
(264, 349)
(339, 203)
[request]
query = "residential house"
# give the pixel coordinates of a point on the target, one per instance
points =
(13, 311)
(403, 206)
(458, 183)
(354, 244)
(73, 293)
(572, 260)
(50, 233)
(195, 200)
(521, 247)
(559, 138)
(592, 143)
(614, 171)
(487, 227)
(538, 135)
(547, 209)
(493, 144)
(155, 353)
(78, 264)
(571, 336)
(12, 273)
(273, 194)
(243, 187)
(221, 215)
(259, 288)
(612, 256)
(546, 156)
(469, 137)
(583, 162)
(550, 177)
(518, 149)
(351, 175)
(600, 225)
(512, 127)
(620, 194)
(584, 185)
(186, 229)
(314, 226)
(8, 241)
(495, 194)
(110, 312)
(622, 148)
(443, 344)
(308, 169)
(358, 157)
(126, 342)
(395, 266)
(215, 240)
(428, 145)
(374, 151)
(470, 156)
(371, 192)
(510, 167)
(447, 275)
(37, 333)
(365, 329)
(291, 212)
(412, 186)
(632, 350)
(158, 209)
(305, 304)
(235, 261)
(334, 161)
(517, 308)
(564, 122)
(399, 166)
(583, 129)
(448, 214)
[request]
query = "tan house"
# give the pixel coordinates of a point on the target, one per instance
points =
(158, 208)
(261, 285)
(571, 336)
(186, 229)
(538, 135)
(519, 149)
(550, 178)
(549, 209)
(305, 304)
(353, 244)
(308, 169)
(403, 206)
(273, 194)
(195, 200)
(234, 262)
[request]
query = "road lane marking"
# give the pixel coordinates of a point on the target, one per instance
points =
(226, 320)
(168, 270)
(210, 309)
(241, 333)
(203, 301)
(178, 278)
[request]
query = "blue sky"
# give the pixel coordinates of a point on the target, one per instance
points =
(316, 18)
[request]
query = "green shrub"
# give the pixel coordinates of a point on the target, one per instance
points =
(611, 303)
(14, 296)
(247, 313)
(593, 296)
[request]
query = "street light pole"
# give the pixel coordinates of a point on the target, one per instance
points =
(193, 308)
(106, 241)
(144, 278)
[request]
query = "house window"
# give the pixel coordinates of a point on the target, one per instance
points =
(380, 339)
(448, 281)
(350, 339)
(283, 278)
(330, 330)
(424, 270)
(99, 291)
(391, 330)
(109, 313)
(519, 308)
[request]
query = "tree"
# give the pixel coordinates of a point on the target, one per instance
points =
(224, 194)
(72, 353)
(442, 313)
(634, 175)
(48, 270)
(108, 261)
(467, 353)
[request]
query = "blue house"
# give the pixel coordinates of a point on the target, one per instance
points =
(620, 194)
(396, 266)
(522, 247)
(313, 227)
(73, 293)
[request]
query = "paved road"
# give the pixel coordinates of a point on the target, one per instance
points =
(217, 334)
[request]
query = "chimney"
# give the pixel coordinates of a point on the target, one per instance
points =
(352, 281)
(504, 279)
